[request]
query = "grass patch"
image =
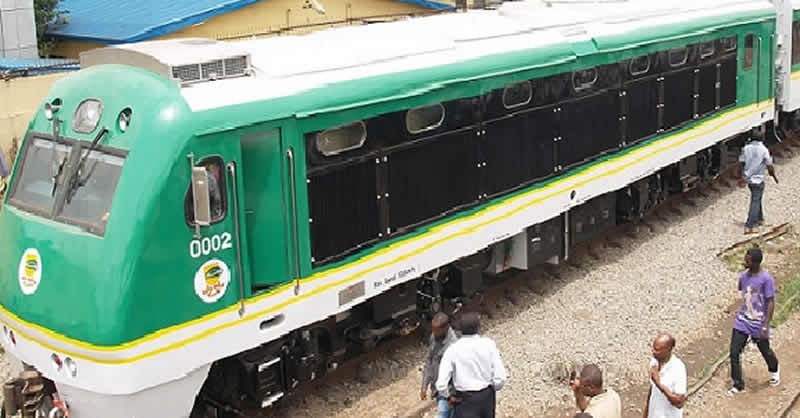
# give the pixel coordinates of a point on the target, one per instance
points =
(787, 300)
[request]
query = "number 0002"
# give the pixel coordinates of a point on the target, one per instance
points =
(208, 245)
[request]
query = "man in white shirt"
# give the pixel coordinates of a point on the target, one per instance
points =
(667, 381)
(476, 370)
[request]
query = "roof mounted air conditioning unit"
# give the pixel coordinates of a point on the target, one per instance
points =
(188, 61)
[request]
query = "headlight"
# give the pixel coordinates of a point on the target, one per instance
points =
(87, 115)
(125, 119)
(51, 108)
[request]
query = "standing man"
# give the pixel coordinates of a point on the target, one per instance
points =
(752, 320)
(667, 381)
(442, 336)
(754, 159)
(477, 372)
(591, 398)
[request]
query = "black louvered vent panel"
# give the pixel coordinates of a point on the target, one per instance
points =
(642, 109)
(519, 150)
(344, 209)
(678, 98)
(506, 153)
(708, 89)
(727, 95)
(430, 179)
(590, 126)
(543, 124)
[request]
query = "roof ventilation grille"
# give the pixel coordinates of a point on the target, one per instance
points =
(212, 70)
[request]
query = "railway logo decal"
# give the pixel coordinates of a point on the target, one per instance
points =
(30, 271)
(211, 280)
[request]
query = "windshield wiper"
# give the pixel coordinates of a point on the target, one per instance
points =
(56, 171)
(77, 181)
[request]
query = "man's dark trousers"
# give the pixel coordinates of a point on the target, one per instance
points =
(478, 404)
(738, 341)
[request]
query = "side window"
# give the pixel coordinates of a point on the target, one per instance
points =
(584, 79)
(728, 44)
(426, 118)
(640, 65)
(216, 191)
(795, 42)
(706, 49)
(340, 139)
(748, 51)
(517, 94)
(678, 57)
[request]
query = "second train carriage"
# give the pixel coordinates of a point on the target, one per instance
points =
(198, 224)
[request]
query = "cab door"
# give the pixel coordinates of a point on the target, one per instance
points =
(267, 209)
(213, 212)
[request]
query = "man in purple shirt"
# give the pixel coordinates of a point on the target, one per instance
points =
(752, 320)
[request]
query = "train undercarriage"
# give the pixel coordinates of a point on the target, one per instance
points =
(262, 377)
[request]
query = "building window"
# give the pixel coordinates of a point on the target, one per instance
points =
(340, 139)
(517, 94)
(748, 51)
(678, 57)
(217, 196)
(706, 49)
(640, 65)
(584, 79)
(426, 118)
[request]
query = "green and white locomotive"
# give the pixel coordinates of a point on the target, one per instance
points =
(195, 227)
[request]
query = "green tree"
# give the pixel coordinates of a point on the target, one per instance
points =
(47, 14)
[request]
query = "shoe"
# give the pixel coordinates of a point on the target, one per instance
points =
(775, 378)
(733, 391)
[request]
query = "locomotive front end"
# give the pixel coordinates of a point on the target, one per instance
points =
(82, 281)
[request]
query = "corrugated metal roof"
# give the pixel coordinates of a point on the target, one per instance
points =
(35, 66)
(123, 21)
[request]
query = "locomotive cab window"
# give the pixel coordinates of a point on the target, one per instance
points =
(678, 57)
(337, 140)
(86, 193)
(215, 181)
(425, 118)
(517, 94)
(748, 51)
(640, 65)
(584, 79)
(706, 49)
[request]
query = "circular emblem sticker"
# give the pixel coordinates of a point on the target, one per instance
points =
(211, 280)
(30, 271)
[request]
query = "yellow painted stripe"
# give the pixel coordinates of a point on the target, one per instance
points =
(796, 75)
(699, 132)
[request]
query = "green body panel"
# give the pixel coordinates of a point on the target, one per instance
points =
(266, 220)
(138, 278)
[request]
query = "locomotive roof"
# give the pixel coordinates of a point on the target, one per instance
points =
(415, 53)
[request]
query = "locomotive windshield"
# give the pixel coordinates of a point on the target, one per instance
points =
(41, 187)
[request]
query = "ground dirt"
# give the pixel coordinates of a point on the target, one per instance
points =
(711, 399)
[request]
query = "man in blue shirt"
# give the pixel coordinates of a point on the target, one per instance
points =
(755, 159)
(752, 320)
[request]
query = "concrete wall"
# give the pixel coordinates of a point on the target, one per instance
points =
(17, 29)
(270, 15)
(20, 98)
